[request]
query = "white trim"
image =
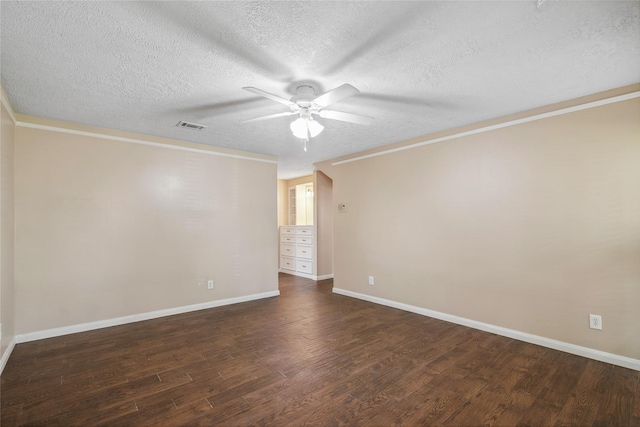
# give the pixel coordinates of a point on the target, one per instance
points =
(590, 353)
(8, 106)
(83, 327)
(497, 126)
(7, 354)
(308, 276)
(138, 141)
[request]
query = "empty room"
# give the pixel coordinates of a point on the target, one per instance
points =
(320, 213)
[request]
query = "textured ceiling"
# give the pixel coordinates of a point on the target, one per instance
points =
(421, 67)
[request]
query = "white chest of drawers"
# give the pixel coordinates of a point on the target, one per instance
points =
(297, 250)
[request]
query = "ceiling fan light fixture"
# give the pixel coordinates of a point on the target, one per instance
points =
(306, 128)
(299, 128)
(314, 128)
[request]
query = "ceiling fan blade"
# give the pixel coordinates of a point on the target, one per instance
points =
(271, 116)
(336, 95)
(270, 96)
(346, 117)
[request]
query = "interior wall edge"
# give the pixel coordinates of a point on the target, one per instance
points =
(5, 101)
(602, 356)
(7, 321)
(90, 326)
(7, 354)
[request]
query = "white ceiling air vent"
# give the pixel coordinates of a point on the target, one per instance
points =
(189, 125)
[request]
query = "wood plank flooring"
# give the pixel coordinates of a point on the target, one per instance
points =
(308, 357)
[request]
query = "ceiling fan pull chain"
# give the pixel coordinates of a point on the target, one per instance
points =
(305, 144)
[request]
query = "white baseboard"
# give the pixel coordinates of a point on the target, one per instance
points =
(83, 327)
(6, 354)
(308, 276)
(590, 353)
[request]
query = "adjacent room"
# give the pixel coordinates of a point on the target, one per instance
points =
(320, 213)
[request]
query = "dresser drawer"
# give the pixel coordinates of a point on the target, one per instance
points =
(288, 238)
(305, 231)
(304, 240)
(287, 263)
(304, 266)
(287, 230)
(288, 249)
(304, 252)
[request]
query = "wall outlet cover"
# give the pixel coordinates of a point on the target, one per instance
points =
(595, 321)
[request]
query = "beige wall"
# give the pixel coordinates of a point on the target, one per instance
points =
(283, 203)
(323, 190)
(106, 229)
(7, 305)
(530, 227)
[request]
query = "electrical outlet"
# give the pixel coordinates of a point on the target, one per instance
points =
(595, 321)
(371, 282)
(210, 284)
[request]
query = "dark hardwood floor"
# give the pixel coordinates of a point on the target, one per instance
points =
(308, 357)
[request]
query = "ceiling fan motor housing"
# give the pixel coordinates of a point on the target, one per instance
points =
(304, 96)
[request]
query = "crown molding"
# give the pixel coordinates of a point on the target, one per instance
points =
(99, 135)
(24, 121)
(502, 125)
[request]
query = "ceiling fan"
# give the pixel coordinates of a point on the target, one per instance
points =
(305, 104)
